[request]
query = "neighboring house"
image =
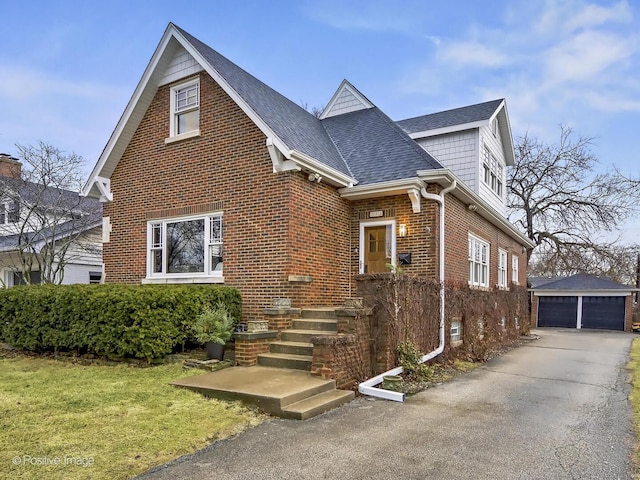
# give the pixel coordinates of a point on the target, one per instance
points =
(581, 301)
(211, 176)
(35, 219)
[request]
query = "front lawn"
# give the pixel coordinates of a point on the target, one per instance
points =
(62, 420)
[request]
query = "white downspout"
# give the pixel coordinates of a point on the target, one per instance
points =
(368, 386)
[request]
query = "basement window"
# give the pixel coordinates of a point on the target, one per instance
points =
(456, 331)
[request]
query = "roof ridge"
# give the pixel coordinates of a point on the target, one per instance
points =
(451, 110)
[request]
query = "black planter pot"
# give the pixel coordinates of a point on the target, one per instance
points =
(215, 350)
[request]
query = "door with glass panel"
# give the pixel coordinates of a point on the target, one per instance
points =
(377, 248)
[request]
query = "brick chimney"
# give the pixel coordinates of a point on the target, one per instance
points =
(9, 166)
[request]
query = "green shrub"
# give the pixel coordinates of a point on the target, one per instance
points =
(145, 321)
(213, 325)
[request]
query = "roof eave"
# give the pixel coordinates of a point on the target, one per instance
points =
(444, 177)
(448, 129)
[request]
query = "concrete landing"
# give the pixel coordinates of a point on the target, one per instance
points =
(270, 389)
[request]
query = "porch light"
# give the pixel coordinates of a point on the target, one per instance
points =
(402, 230)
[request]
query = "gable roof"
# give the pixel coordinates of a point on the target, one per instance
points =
(480, 112)
(298, 129)
(30, 193)
(375, 148)
(347, 98)
(581, 282)
(464, 118)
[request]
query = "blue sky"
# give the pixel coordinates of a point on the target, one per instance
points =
(69, 67)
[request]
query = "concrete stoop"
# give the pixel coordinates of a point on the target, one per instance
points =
(280, 384)
(281, 392)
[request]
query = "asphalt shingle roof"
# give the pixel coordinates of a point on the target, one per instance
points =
(375, 148)
(448, 118)
(582, 281)
(50, 197)
(296, 127)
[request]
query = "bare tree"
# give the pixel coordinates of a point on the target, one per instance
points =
(616, 262)
(562, 203)
(315, 111)
(51, 222)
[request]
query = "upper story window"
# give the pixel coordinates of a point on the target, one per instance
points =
(502, 269)
(478, 262)
(494, 127)
(185, 247)
(9, 213)
(514, 268)
(185, 108)
(492, 171)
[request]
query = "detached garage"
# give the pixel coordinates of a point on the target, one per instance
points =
(581, 301)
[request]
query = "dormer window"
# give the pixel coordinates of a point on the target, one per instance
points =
(185, 109)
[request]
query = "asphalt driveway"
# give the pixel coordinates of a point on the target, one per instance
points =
(555, 408)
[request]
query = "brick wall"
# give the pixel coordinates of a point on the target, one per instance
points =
(275, 225)
(423, 245)
(459, 222)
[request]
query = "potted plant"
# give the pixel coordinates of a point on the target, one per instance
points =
(213, 327)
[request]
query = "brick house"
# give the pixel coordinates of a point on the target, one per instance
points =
(211, 176)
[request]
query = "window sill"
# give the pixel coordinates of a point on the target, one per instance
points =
(182, 136)
(456, 343)
(178, 280)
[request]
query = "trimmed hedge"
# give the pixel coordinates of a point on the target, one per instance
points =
(144, 321)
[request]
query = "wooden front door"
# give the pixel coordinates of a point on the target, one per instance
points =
(377, 251)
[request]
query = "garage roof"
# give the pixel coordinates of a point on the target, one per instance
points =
(580, 282)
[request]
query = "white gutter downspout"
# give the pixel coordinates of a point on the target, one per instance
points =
(368, 386)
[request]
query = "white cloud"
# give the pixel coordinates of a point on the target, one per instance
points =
(473, 54)
(594, 15)
(584, 56)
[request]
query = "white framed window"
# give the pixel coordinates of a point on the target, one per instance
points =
(185, 247)
(9, 213)
(185, 109)
(502, 269)
(478, 262)
(492, 171)
(456, 331)
(494, 127)
(515, 261)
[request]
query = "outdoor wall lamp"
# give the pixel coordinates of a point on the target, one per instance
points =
(402, 230)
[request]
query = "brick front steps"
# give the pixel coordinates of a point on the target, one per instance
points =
(281, 383)
(295, 350)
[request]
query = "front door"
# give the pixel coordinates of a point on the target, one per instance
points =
(377, 249)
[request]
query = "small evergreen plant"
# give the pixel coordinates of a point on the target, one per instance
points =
(214, 325)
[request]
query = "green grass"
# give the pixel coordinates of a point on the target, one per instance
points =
(117, 420)
(634, 397)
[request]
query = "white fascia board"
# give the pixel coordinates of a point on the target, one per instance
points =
(229, 90)
(464, 193)
(134, 102)
(583, 293)
(382, 189)
(507, 136)
(450, 129)
(327, 173)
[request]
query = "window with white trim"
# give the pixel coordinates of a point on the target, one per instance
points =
(478, 262)
(515, 261)
(185, 247)
(9, 213)
(502, 269)
(456, 331)
(185, 108)
(492, 171)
